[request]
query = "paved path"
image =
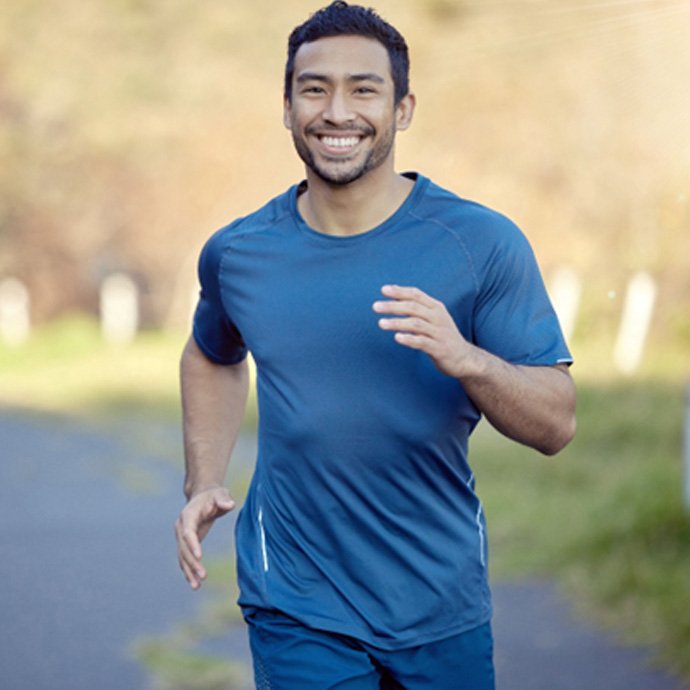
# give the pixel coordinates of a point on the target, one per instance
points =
(88, 567)
(540, 645)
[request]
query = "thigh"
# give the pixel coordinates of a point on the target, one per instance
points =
(290, 656)
(461, 662)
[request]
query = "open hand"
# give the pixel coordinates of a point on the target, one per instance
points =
(193, 524)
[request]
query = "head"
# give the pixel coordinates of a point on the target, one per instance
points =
(346, 93)
(341, 19)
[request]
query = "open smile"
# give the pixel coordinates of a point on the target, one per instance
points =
(338, 145)
(340, 142)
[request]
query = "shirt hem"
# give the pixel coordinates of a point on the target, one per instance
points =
(399, 643)
(213, 357)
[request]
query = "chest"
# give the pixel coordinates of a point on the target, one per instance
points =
(294, 300)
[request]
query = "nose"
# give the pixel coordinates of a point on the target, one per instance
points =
(338, 110)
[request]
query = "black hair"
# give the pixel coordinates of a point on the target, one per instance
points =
(341, 19)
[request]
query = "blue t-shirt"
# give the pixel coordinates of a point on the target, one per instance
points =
(362, 517)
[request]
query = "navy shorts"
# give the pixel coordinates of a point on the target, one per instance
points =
(289, 656)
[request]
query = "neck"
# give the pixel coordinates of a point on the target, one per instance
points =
(353, 208)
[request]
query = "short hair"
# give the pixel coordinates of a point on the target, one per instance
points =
(341, 19)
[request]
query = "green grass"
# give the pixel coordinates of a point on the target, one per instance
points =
(605, 518)
(66, 368)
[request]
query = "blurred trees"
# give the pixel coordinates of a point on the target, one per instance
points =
(131, 129)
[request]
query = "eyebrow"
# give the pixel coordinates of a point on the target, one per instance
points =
(315, 76)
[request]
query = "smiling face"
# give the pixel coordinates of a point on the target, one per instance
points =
(342, 112)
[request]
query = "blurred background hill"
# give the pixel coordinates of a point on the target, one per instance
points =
(131, 129)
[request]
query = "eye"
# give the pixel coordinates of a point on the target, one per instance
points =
(312, 90)
(365, 90)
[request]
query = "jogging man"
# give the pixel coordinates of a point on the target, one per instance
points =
(385, 316)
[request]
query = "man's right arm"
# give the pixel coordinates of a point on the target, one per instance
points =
(213, 402)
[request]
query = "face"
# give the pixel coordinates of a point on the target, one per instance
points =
(342, 115)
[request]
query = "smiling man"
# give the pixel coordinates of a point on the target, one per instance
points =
(385, 316)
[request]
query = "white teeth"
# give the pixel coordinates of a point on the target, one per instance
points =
(341, 142)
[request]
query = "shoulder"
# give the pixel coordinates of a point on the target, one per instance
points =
(469, 220)
(486, 237)
(265, 218)
(221, 245)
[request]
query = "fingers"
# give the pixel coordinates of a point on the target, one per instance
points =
(407, 325)
(416, 342)
(406, 302)
(420, 322)
(191, 527)
(420, 313)
(412, 294)
(189, 553)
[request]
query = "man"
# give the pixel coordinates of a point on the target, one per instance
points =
(385, 315)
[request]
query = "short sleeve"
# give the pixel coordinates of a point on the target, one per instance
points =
(214, 332)
(513, 316)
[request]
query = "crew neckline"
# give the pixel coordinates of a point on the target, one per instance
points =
(420, 183)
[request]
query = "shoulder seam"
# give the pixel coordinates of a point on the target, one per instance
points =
(458, 239)
(238, 236)
(236, 232)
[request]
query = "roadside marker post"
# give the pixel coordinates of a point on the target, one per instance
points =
(15, 320)
(635, 322)
(119, 309)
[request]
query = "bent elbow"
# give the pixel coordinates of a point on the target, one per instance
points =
(564, 422)
(560, 438)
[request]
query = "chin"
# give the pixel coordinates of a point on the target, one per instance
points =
(339, 180)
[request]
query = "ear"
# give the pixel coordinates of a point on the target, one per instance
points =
(404, 112)
(287, 113)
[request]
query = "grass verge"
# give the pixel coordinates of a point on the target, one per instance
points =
(66, 368)
(606, 517)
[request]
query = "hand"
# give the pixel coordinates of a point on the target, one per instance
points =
(425, 325)
(193, 524)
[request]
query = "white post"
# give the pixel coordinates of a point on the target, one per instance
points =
(15, 322)
(565, 291)
(119, 309)
(635, 322)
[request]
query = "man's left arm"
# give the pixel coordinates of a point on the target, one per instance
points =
(534, 405)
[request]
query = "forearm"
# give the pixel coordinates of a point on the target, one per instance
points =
(213, 402)
(534, 405)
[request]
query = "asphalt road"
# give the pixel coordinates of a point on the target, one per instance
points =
(88, 567)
